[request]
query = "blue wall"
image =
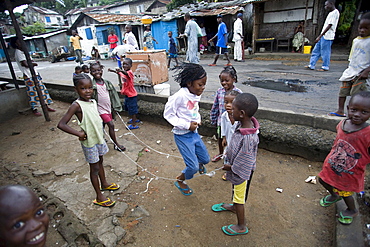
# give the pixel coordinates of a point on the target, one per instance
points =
(102, 34)
(160, 32)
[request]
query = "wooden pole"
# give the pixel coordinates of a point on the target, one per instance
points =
(28, 58)
(304, 26)
(8, 61)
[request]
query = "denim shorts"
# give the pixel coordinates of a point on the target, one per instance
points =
(131, 105)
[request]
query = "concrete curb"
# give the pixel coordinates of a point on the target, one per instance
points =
(348, 235)
(305, 135)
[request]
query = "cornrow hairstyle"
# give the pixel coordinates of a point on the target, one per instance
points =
(77, 78)
(365, 16)
(364, 94)
(231, 71)
(232, 93)
(189, 72)
(96, 63)
(247, 102)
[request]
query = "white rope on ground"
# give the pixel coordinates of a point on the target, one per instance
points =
(154, 176)
(168, 155)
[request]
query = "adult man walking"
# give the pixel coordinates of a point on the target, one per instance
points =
(191, 31)
(75, 42)
(238, 38)
(221, 45)
(325, 39)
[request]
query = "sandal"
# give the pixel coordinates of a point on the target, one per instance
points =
(131, 127)
(107, 204)
(216, 157)
(190, 191)
(119, 148)
(325, 203)
(112, 186)
(130, 121)
(202, 169)
(36, 113)
(345, 220)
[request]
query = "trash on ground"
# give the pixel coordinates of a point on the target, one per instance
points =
(279, 190)
(146, 150)
(311, 179)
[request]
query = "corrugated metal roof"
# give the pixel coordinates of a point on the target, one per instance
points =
(42, 10)
(111, 18)
(45, 35)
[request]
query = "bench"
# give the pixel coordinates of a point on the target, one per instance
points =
(283, 43)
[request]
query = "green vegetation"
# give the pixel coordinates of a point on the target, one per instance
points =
(346, 17)
(36, 28)
(177, 3)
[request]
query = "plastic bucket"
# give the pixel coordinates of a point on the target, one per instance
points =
(307, 49)
(162, 89)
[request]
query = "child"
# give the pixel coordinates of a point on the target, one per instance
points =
(78, 70)
(240, 162)
(172, 50)
(85, 69)
(182, 111)
(355, 76)
(24, 221)
(107, 98)
(95, 53)
(344, 168)
(227, 77)
(129, 91)
(90, 135)
(228, 123)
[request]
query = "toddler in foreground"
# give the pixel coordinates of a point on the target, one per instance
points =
(23, 220)
(344, 168)
(90, 136)
(182, 112)
(240, 160)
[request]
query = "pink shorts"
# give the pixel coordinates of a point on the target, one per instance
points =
(106, 118)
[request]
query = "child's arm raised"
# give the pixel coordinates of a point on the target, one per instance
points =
(74, 109)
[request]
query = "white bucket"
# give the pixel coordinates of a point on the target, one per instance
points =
(162, 89)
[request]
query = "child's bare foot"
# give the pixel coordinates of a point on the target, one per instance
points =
(119, 148)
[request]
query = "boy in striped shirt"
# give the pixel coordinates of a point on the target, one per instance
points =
(240, 160)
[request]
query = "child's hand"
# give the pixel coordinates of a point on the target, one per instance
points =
(193, 126)
(82, 136)
(226, 167)
(224, 142)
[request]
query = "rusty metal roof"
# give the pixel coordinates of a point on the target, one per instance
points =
(111, 18)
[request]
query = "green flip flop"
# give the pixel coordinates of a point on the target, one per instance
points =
(345, 220)
(325, 203)
(219, 208)
(232, 232)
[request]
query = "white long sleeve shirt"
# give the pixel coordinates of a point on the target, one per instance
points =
(181, 109)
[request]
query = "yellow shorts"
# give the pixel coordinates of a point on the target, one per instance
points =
(240, 192)
(342, 193)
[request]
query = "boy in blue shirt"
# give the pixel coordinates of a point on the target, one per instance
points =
(172, 50)
(221, 45)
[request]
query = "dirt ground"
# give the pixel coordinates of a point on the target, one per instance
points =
(274, 219)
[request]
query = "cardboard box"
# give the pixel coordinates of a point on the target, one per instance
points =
(149, 67)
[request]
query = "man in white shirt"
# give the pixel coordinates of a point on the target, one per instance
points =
(238, 38)
(325, 39)
(130, 38)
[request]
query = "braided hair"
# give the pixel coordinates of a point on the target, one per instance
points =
(78, 77)
(189, 72)
(231, 71)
